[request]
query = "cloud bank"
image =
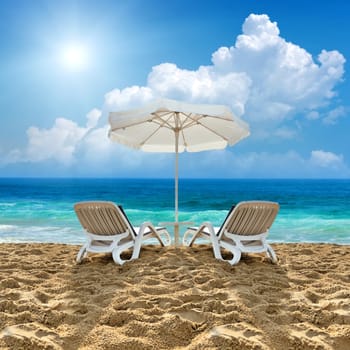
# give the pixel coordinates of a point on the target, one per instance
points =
(265, 79)
(58, 143)
(262, 77)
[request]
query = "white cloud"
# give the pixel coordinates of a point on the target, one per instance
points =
(204, 85)
(253, 164)
(285, 78)
(227, 164)
(93, 117)
(58, 143)
(326, 159)
(285, 133)
(334, 115)
(97, 149)
(313, 115)
(128, 97)
(262, 77)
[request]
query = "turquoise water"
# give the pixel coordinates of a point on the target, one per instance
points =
(41, 210)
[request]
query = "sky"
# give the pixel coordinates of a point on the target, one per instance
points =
(281, 66)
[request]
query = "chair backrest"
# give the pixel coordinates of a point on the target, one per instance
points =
(250, 218)
(103, 218)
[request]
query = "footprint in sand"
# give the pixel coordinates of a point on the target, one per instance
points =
(304, 337)
(166, 302)
(238, 335)
(313, 297)
(151, 281)
(154, 290)
(9, 283)
(42, 297)
(191, 315)
(30, 336)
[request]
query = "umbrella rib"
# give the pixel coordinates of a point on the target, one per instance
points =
(184, 138)
(149, 136)
(207, 116)
(127, 126)
(194, 121)
(161, 123)
(141, 122)
(190, 123)
(214, 132)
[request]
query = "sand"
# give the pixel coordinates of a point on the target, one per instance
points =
(174, 299)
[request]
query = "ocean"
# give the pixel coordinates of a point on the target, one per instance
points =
(41, 210)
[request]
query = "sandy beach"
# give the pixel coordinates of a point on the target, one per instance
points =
(175, 299)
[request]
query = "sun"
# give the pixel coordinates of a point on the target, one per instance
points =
(75, 57)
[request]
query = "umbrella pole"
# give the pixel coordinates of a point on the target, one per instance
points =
(176, 225)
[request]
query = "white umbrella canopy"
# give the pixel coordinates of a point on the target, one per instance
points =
(153, 127)
(175, 126)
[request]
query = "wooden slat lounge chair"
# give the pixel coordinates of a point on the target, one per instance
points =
(109, 231)
(244, 231)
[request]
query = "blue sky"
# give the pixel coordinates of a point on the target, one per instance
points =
(280, 65)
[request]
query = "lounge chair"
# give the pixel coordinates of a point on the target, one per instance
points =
(244, 231)
(109, 231)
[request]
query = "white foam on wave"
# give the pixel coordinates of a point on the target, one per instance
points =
(7, 204)
(286, 228)
(5, 228)
(40, 234)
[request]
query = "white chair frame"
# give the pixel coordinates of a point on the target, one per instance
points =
(245, 230)
(108, 230)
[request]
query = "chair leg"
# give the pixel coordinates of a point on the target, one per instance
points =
(216, 249)
(271, 254)
(82, 253)
(189, 237)
(137, 246)
(116, 253)
(116, 256)
(166, 240)
(233, 250)
(236, 256)
(117, 249)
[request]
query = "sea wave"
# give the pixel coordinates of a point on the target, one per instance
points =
(43, 234)
(41, 210)
(7, 204)
(6, 228)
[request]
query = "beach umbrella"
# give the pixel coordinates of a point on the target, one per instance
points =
(175, 126)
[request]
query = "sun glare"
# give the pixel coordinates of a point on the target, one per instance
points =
(75, 57)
